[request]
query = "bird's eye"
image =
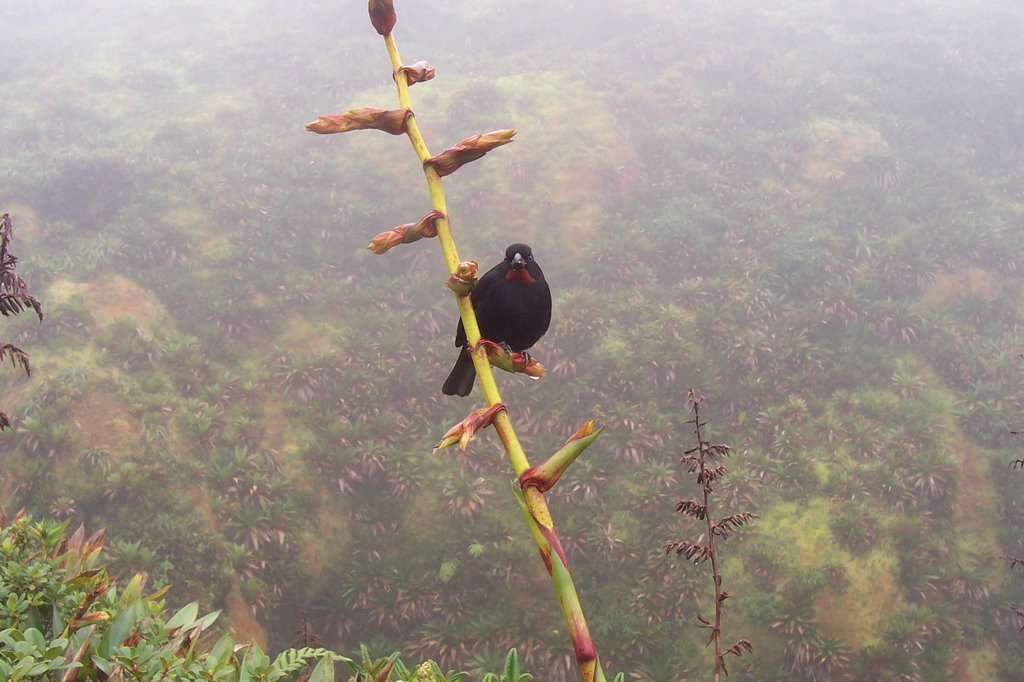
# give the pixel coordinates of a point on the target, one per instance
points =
(530, 257)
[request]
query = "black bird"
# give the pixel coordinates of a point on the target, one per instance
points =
(513, 307)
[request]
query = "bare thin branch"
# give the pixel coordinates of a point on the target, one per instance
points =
(697, 462)
(14, 299)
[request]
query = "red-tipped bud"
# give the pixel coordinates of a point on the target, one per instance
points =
(420, 72)
(511, 361)
(532, 368)
(394, 121)
(464, 431)
(584, 431)
(470, 149)
(547, 474)
(382, 16)
(406, 234)
(463, 280)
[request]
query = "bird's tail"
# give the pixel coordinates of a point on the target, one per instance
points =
(463, 374)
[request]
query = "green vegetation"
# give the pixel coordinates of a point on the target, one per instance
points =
(61, 614)
(810, 212)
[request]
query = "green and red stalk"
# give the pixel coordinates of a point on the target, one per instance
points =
(533, 481)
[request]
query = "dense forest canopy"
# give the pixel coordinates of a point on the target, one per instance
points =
(811, 211)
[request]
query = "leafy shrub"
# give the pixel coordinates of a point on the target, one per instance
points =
(60, 611)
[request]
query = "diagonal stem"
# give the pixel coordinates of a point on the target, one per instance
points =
(547, 540)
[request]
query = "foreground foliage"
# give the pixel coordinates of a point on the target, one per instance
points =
(63, 618)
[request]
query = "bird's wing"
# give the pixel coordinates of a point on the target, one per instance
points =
(479, 297)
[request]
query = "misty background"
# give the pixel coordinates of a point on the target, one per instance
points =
(811, 212)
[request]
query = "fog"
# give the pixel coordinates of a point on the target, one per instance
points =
(810, 212)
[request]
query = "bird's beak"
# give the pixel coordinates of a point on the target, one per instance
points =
(517, 261)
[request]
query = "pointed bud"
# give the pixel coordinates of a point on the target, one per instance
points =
(420, 72)
(543, 477)
(382, 16)
(464, 431)
(394, 121)
(406, 234)
(583, 432)
(463, 280)
(469, 149)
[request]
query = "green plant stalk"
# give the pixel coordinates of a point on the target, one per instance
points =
(565, 590)
(535, 506)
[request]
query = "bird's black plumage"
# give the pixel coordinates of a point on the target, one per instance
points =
(513, 306)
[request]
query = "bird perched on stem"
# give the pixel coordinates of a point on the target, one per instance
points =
(513, 308)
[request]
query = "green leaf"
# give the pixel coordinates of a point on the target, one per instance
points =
(221, 651)
(118, 631)
(511, 669)
(57, 620)
(36, 639)
(103, 665)
(402, 672)
(254, 665)
(290, 660)
(185, 616)
(324, 671)
(447, 570)
(208, 620)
